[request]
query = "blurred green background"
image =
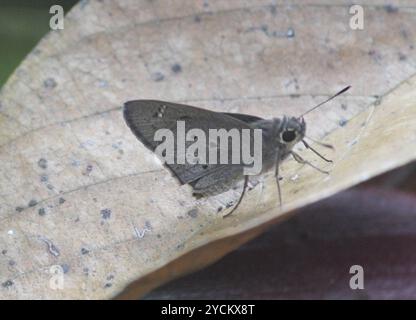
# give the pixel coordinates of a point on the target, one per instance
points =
(22, 24)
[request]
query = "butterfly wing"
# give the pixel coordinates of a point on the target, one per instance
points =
(244, 117)
(145, 117)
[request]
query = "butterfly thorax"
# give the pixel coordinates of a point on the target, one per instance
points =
(280, 135)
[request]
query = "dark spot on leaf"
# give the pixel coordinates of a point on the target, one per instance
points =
(105, 213)
(7, 284)
(390, 8)
(204, 166)
(193, 213)
(84, 251)
(157, 76)
(404, 33)
(176, 68)
(148, 225)
(375, 55)
(4, 251)
(219, 209)
(19, 209)
(342, 122)
(44, 178)
(158, 236)
(32, 203)
(42, 163)
(65, 268)
(12, 263)
(88, 170)
(402, 57)
(53, 249)
(344, 106)
(49, 83)
(41, 211)
(61, 200)
(108, 285)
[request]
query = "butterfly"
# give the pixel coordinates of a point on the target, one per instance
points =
(278, 137)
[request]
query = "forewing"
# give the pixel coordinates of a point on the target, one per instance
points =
(244, 117)
(145, 117)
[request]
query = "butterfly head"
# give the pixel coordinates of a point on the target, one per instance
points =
(292, 131)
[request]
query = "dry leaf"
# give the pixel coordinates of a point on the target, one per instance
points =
(78, 191)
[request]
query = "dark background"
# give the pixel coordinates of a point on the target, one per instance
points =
(309, 255)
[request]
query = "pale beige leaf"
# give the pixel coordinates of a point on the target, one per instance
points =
(78, 190)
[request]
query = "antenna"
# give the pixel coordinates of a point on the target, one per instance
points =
(330, 98)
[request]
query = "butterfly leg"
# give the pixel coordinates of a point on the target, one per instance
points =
(299, 159)
(276, 175)
(316, 152)
(241, 197)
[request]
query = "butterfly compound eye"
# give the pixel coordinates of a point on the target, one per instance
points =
(288, 136)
